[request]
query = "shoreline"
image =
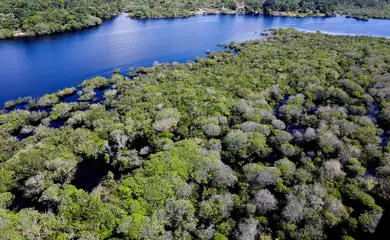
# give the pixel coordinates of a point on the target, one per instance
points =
(25, 99)
(21, 34)
(240, 11)
(235, 12)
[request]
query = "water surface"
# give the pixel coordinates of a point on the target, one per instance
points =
(38, 65)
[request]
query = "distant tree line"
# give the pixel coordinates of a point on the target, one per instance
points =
(29, 18)
(39, 17)
(322, 6)
(175, 8)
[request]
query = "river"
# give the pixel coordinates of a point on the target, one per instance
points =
(38, 65)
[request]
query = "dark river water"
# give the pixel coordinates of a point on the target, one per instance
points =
(34, 66)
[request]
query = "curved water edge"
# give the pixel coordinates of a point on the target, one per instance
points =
(45, 64)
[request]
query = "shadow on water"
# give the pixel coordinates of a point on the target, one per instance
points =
(70, 98)
(277, 109)
(57, 123)
(382, 231)
(99, 97)
(21, 106)
(20, 202)
(90, 173)
(371, 171)
(383, 139)
(22, 136)
(373, 111)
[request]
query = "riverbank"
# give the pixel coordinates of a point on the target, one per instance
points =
(226, 11)
(365, 13)
(297, 14)
(24, 18)
(20, 33)
(240, 11)
(61, 60)
(302, 15)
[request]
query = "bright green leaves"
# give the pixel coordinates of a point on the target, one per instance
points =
(48, 100)
(7, 180)
(81, 212)
(166, 172)
(94, 83)
(138, 226)
(13, 121)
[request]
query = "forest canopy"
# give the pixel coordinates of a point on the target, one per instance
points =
(284, 137)
(40, 17)
(175, 8)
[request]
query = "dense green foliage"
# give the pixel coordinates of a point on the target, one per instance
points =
(366, 9)
(287, 139)
(303, 6)
(40, 17)
(361, 9)
(174, 8)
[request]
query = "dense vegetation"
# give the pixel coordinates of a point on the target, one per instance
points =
(367, 8)
(38, 17)
(286, 139)
(172, 8)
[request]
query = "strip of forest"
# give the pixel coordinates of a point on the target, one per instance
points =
(43, 17)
